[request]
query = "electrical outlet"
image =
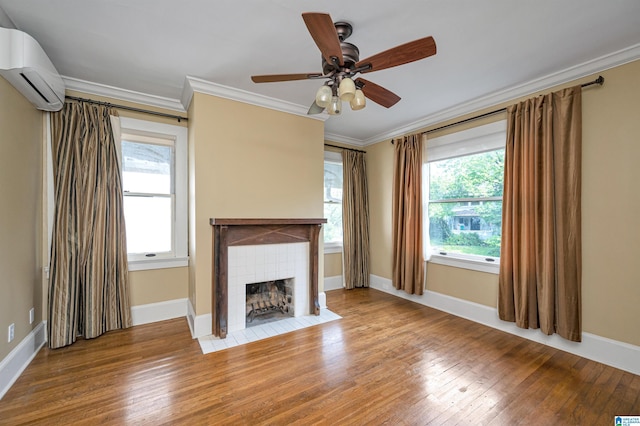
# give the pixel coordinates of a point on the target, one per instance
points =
(32, 315)
(11, 332)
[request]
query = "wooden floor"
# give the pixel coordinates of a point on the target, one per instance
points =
(388, 361)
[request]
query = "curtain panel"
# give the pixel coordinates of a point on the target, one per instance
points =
(355, 220)
(88, 287)
(407, 225)
(540, 260)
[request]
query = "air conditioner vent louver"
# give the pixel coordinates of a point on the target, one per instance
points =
(27, 67)
(35, 88)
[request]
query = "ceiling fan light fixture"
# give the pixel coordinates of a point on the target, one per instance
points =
(359, 101)
(335, 107)
(323, 96)
(347, 89)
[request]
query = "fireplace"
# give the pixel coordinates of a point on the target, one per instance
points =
(268, 301)
(241, 245)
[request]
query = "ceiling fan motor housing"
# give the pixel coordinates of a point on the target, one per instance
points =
(351, 55)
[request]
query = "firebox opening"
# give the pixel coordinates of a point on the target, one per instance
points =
(269, 301)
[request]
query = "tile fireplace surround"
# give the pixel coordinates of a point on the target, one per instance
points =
(252, 232)
(264, 263)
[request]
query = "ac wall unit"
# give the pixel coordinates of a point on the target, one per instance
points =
(25, 65)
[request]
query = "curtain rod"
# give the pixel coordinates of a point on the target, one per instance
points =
(128, 108)
(341, 147)
(599, 80)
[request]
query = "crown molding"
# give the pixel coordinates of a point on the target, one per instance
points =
(194, 84)
(122, 94)
(333, 137)
(585, 69)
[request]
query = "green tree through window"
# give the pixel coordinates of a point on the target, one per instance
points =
(465, 204)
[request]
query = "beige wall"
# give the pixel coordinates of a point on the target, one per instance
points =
(611, 242)
(158, 285)
(21, 156)
(332, 265)
(610, 205)
(248, 162)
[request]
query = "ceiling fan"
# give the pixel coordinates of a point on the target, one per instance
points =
(341, 62)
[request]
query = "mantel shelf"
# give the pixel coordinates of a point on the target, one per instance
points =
(253, 221)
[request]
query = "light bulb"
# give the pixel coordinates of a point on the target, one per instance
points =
(335, 107)
(347, 89)
(323, 96)
(359, 101)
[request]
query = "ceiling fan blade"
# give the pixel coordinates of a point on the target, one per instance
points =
(323, 32)
(283, 77)
(315, 109)
(399, 55)
(377, 94)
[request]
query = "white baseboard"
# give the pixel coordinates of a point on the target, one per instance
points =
(200, 325)
(333, 283)
(191, 317)
(607, 351)
(12, 366)
(154, 312)
(322, 300)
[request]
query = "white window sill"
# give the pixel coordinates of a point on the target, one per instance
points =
(459, 262)
(330, 248)
(143, 265)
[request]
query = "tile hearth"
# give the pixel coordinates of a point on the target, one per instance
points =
(211, 343)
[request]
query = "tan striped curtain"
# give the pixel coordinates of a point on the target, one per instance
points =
(540, 260)
(88, 287)
(408, 255)
(355, 220)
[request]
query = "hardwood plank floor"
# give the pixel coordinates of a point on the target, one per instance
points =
(388, 361)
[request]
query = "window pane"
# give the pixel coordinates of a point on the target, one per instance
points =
(148, 221)
(146, 168)
(333, 202)
(332, 181)
(465, 228)
(333, 227)
(472, 176)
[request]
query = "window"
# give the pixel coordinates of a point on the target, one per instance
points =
(333, 202)
(153, 158)
(463, 192)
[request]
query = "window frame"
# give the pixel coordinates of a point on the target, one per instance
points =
(485, 138)
(179, 256)
(332, 247)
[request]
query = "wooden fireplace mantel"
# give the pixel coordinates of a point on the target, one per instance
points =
(238, 232)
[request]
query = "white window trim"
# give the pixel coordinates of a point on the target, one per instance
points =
(179, 133)
(332, 247)
(488, 137)
(461, 261)
(479, 139)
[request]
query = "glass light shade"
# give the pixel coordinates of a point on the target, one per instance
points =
(335, 107)
(358, 101)
(323, 96)
(347, 89)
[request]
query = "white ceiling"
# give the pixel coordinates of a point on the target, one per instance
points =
(485, 48)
